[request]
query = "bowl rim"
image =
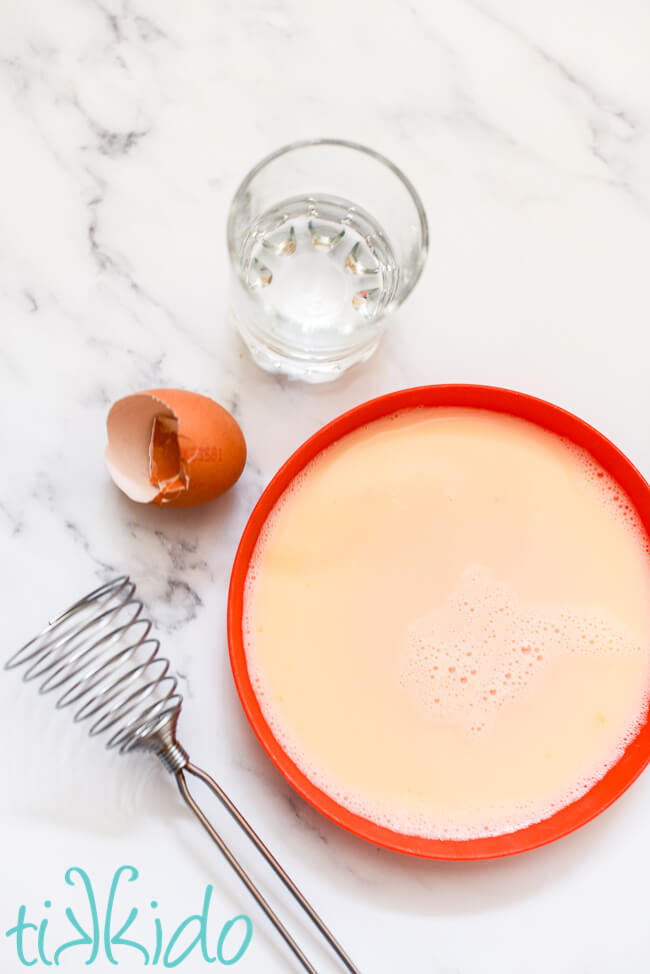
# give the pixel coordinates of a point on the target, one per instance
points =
(545, 414)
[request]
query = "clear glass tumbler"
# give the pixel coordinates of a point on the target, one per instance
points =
(325, 238)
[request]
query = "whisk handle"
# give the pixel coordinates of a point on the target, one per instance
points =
(273, 863)
(243, 875)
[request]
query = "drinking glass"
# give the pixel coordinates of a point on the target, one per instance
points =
(326, 238)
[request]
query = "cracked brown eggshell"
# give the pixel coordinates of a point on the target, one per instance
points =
(173, 448)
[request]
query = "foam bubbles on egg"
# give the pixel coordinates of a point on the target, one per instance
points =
(484, 649)
(609, 493)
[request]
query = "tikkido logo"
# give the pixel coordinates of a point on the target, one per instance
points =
(100, 936)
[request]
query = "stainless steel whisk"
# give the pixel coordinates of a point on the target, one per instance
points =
(99, 654)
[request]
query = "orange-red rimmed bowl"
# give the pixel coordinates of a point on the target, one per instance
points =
(544, 414)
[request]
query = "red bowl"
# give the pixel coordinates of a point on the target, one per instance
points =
(544, 414)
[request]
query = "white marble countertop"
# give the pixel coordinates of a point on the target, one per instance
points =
(126, 126)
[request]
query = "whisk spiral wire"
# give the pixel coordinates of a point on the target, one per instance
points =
(98, 653)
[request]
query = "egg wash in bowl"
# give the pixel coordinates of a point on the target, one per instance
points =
(447, 622)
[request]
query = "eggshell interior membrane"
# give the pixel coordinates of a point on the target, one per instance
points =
(166, 469)
(173, 447)
(130, 426)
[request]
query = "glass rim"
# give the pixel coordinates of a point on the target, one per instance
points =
(342, 144)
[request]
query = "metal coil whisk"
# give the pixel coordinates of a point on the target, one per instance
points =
(99, 659)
